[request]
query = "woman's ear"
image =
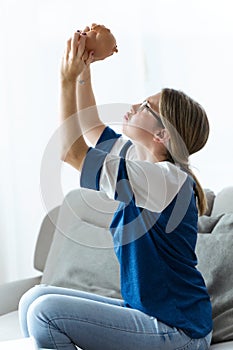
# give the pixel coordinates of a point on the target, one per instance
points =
(161, 136)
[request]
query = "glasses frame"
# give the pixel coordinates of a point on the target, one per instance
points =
(146, 104)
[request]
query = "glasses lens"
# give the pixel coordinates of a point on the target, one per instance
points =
(142, 106)
(146, 105)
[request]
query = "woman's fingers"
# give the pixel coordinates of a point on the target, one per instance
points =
(81, 46)
(90, 58)
(87, 29)
(68, 48)
(77, 45)
(73, 61)
(74, 44)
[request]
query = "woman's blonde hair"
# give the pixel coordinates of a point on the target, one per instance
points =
(188, 127)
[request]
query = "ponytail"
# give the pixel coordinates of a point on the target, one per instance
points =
(199, 192)
(188, 126)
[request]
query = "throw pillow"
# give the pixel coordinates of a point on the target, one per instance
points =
(215, 261)
(223, 202)
(225, 224)
(210, 196)
(207, 223)
(82, 256)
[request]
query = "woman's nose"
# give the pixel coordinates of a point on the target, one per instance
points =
(134, 108)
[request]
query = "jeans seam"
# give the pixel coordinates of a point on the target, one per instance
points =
(109, 326)
(51, 335)
(52, 338)
(206, 343)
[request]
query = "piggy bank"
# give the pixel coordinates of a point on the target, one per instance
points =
(101, 41)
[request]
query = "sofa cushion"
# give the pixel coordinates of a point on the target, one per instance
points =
(210, 196)
(222, 346)
(9, 326)
(223, 202)
(94, 207)
(224, 224)
(215, 261)
(207, 223)
(45, 238)
(82, 255)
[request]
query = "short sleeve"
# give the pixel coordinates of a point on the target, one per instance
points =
(107, 139)
(91, 169)
(109, 142)
(150, 185)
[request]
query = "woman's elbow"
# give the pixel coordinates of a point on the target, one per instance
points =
(73, 158)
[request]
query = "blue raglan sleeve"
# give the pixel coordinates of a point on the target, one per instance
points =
(109, 141)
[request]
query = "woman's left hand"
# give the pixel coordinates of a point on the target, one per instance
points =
(72, 62)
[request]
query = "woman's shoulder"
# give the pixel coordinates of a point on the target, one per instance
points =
(155, 184)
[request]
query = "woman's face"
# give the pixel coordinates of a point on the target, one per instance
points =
(140, 124)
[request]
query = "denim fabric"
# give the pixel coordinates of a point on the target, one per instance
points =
(60, 318)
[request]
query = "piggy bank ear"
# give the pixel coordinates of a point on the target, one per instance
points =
(93, 26)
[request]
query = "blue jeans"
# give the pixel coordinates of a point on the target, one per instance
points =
(60, 318)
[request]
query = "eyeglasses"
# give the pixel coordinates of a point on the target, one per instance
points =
(146, 105)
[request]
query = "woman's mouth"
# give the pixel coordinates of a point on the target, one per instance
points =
(126, 116)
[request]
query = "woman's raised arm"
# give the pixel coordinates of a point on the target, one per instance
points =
(91, 125)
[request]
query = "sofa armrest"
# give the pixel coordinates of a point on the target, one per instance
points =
(11, 292)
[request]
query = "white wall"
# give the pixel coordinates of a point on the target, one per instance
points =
(188, 46)
(176, 43)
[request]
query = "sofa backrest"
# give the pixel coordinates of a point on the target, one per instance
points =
(223, 202)
(97, 209)
(91, 206)
(45, 238)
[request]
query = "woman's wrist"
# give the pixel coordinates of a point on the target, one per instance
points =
(82, 81)
(68, 88)
(84, 77)
(67, 82)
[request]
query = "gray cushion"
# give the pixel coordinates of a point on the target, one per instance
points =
(215, 261)
(207, 223)
(225, 224)
(81, 255)
(92, 206)
(223, 202)
(210, 196)
(45, 238)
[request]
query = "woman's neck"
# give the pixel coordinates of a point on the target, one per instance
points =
(143, 153)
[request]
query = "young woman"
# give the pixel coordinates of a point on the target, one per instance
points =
(165, 302)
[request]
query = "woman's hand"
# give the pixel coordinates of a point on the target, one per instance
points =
(73, 61)
(88, 59)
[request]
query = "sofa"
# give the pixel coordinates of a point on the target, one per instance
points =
(74, 248)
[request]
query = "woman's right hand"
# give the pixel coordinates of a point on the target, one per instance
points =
(75, 59)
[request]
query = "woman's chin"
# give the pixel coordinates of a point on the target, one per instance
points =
(128, 131)
(124, 129)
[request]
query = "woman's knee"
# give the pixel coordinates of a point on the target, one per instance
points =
(27, 299)
(41, 308)
(39, 316)
(31, 295)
